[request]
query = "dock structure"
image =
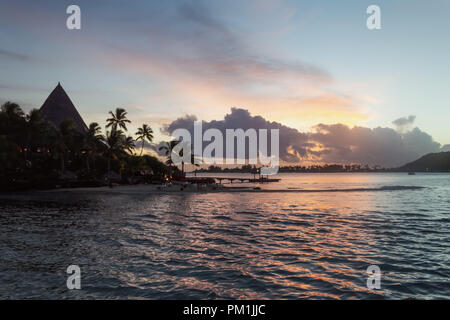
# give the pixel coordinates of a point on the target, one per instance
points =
(221, 180)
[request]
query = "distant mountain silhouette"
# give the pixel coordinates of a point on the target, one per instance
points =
(430, 162)
(58, 107)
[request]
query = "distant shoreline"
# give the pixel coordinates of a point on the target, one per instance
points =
(153, 189)
(80, 186)
(319, 172)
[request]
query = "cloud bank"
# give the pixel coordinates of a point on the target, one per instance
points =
(404, 123)
(337, 143)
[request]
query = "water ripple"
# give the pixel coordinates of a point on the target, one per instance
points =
(228, 246)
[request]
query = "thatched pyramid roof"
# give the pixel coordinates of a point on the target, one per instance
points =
(58, 107)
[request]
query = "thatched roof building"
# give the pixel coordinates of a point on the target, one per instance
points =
(58, 107)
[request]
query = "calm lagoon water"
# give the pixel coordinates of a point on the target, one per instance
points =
(134, 244)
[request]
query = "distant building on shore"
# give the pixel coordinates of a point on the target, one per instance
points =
(58, 107)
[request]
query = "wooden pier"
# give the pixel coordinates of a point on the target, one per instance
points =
(221, 180)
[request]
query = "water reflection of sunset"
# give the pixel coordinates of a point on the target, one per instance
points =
(315, 244)
(287, 240)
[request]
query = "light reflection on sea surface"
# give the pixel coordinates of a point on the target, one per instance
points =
(133, 244)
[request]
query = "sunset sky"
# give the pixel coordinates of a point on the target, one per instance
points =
(295, 62)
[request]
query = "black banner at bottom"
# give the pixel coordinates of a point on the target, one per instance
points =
(220, 309)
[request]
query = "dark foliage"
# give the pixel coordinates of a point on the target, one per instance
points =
(36, 154)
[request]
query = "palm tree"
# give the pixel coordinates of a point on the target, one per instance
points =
(34, 130)
(65, 140)
(167, 148)
(118, 119)
(12, 110)
(144, 133)
(115, 145)
(193, 158)
(34, 118)
(92, 142)
(9, 158)
(128, 144)
(13, 122)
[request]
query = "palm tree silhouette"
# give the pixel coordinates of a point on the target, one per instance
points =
(113, 142)
(128, 144)
(65, 138)
(34, 128)
(144, 133)
(12, 110)
(168, 149)
(118, 119)
(92, 142)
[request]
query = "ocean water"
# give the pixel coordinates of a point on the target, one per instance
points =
(315, 244)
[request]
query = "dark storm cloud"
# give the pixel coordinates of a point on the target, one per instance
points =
(378, 146)
(293, 144)
(335, 143)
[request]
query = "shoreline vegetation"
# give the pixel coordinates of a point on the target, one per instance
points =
(52, 147)
(433, 162)
(36, 153)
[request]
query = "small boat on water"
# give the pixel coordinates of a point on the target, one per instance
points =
(411, 173)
